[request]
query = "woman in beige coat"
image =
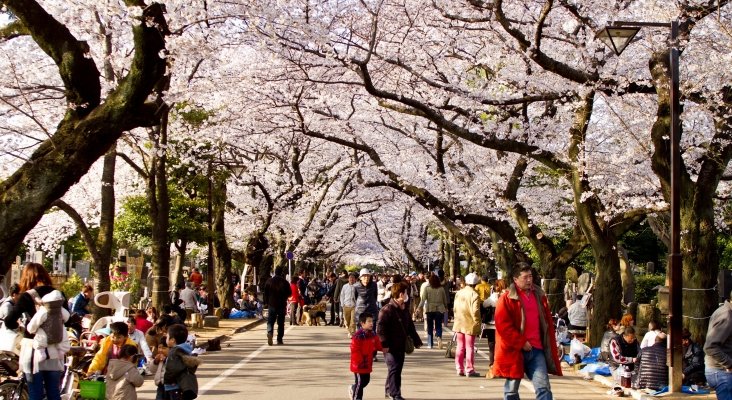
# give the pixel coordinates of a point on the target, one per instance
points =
(466, 326)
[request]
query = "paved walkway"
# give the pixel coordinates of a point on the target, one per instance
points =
(313, 364)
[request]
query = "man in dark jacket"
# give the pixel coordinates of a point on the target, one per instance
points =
(276, 292)
(693, 361)
(693, 365)
(342, 280)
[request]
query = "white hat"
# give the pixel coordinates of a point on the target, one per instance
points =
(471, 279)
(364, 271)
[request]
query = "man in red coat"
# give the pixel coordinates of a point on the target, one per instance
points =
(525, 341)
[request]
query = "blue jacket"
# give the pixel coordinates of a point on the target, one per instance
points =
(79, 304)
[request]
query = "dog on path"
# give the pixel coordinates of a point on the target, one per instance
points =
(311, 314)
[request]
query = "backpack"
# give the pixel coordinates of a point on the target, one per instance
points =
(54, 323)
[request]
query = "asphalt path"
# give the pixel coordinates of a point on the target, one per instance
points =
(314, 364)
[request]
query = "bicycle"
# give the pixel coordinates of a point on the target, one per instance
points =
(12, 387)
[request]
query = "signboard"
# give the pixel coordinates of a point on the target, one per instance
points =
(289, 255)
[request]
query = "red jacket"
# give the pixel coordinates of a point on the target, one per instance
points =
(509, 360)
(363, 346)
(296, 297)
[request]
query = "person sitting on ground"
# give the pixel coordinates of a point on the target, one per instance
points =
(188, 295)
(176, 310)
(141, 322)
(610, 333)
(154, 334)
(623, 351)
(139, 338)
(152, 314)
(577, 314)
(650, 337)
(693, 361)
(110, 347)
(122, 376)
(80, 303)
(651, 365)
(627, 320)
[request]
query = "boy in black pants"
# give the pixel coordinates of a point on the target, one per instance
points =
(364, 344)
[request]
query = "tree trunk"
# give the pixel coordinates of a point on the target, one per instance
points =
(157, 194)
(106, 228)
(605, 299)
(176, 275)
(600, 237)
(256, 248)
(626, 276)
(221, 251)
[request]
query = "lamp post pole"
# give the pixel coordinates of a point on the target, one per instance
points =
(675, 292)
(618, 35)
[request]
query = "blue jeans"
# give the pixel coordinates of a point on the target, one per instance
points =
(276, 315)
(721, 381)
(44, 381)
(535, 369)
(434, 321)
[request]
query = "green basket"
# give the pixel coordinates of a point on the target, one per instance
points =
(95, 390)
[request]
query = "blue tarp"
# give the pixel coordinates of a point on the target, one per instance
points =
(684, 389)
(597, 368)
(240, 314)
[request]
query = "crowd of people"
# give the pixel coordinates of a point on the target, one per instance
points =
(39, 315)
(378, 312)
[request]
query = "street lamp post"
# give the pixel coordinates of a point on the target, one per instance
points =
(617, 36)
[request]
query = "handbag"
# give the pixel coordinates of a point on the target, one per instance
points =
(409, 342)
(409, 345)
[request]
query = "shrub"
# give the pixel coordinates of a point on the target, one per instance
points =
(644, 287)
(72, 286)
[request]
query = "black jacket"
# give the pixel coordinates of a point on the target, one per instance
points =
(652, 369)
(28, 306)
(276, 292)
(392, 332)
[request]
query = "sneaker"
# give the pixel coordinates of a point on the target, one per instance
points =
(473, 374)
(279, 342)
(350, 392)
(269, 339)
(461, 373)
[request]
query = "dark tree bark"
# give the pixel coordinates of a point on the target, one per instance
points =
(89, 128)
(159, 201)
(106, 228)
(221, 251)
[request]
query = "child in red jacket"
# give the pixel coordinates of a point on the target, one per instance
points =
(364, 344)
